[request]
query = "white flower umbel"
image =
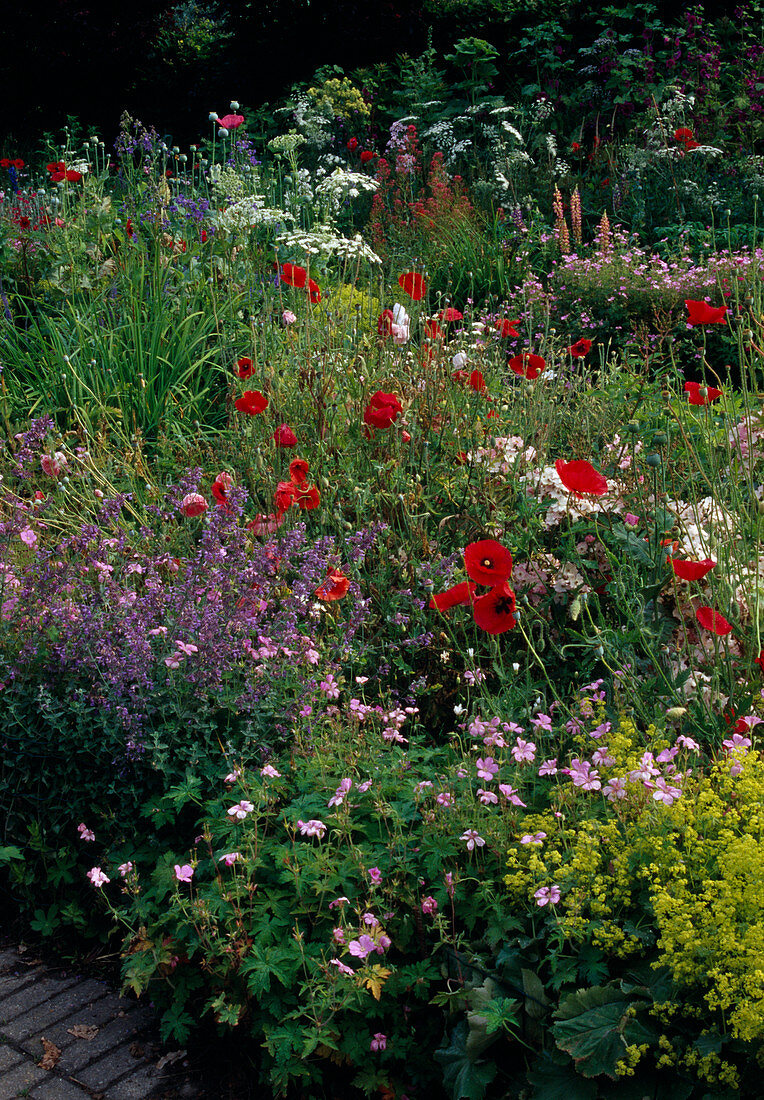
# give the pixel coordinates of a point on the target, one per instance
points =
(323, 240)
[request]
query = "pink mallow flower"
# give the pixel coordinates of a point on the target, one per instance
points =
(378, 1042)
(184, 873)
(240, 810)
(97, 877)
(486, 769)
(85, 833)
(375, 876)
(429, 906)
(311, 828)
(362, 947)
(524, 751)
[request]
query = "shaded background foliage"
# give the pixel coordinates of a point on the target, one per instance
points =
(170, 64)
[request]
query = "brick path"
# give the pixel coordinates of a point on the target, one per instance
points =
(103, 1060)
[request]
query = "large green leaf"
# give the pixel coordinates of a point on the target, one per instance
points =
(463, 1078)
(554, 1076)
(595, 1026)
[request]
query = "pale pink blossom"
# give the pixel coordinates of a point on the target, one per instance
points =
(184, 873)
(311, 828)
(97, 877)
(547, 895)
(378, 1042)
(85, 833)
(240, 810)
(429, 906)
(473, 838)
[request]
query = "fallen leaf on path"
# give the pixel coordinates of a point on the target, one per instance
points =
(51, 1054)
(83, 1031)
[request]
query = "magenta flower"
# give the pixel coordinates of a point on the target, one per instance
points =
(97, 877)
(487, 797)
(547, 895)
(511, 794)
(362, 947)
(429, 906)
(270, 772)
(229, 858)
(184, 873)
(311, 828)
(473, 838)
(614, 788)
(533, 838)
(85, 833)
(445, 798)
(486, 769)
(240, 810)
(524, 751)
(379, 1042)
(375, 875)
(342, 967)
(125, 868)
(549, 767)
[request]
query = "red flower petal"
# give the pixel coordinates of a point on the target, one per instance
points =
(581, 348)
(298, 470)
(413, 284)
(334, 587)
(527, 365)
(580, 477)
(245, 368)
(701, 313)
(713, 620)
(193, 504)
(457, 596)
(450, 314)
(251, 402)
(691, 570)
(692, 389)
(293, 275)
(383, 410)
(315, 291)
(477, 382)
(284, 436)
(506, 328)
(495, 612)
(488, 562)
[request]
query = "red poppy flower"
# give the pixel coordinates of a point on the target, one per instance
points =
(72, 176)
(251, 402)
(220, 487)
(245, 368)
(527, 365)
(204, 236)
(230, 122)
(701, 313)
(457, 596)
(298, 470)
(385, 323)
(683, 133)
(352, 145)
(691, 570)
(284, 436)
(193, 504)
(433, 330)
(450, 314)
(314, 291)
(713, 620)
(129, 228)
(366, 156)
(413, 284)
(307, 497)
(581, 348)
(293, 275)
(265, 525)
(477, 382)
(18, 163)
(383, 410)
(5, 162)
(55, 166)
(284, 496)
(692, 389)
(488, 562)
(580, 478)
(506, 328)
(495, 612)
(691, 144)
(760, 660)
(334, 587)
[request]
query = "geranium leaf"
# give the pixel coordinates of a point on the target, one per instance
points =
(463, 1078)
(595, 1026)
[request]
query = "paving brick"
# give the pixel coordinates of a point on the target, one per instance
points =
(121, 1029)
(56, 1090)
(42, 1015)
(115, 1064)
(8, 957)
(8, 1057)
(22, 1000)
(20, 1080)
(17, 978)
(139, 1085)
(97, 1014)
